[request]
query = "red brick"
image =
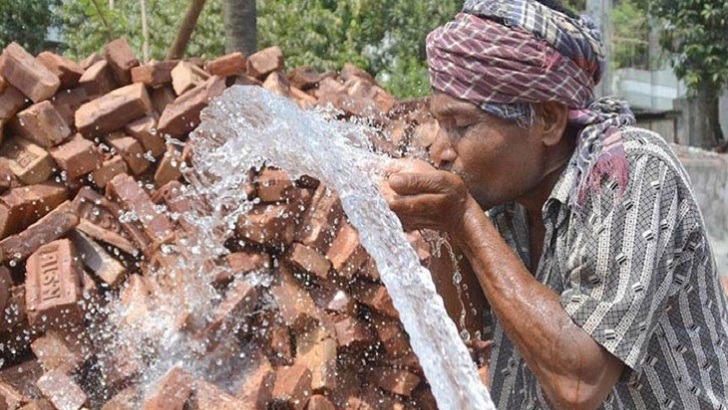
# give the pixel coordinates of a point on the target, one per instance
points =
(316, 350)
(186, 76)
(183, 115)
(424, 398)
(10, 398)
(55, 352)
(351, 332)
(154, 73)
(334, 299)
(393, 336)
(98, 79)
(293, 387)
(5, 283)
(136, 299)
(99, 220)
(119, 366)
(369, 270)
(130, 150)
(304, 100)
(375, 296)
(270, 225)
(67, 102)
(15, 331)
(42, 124)
(108, 170)
(53, 285)
(305, 77)
(90, 60)
(281, 345)
(265, 62)
(227, 65)
(77, 157)
(62, 391)
(49, 228)
(127, 399)
(11, 101)
(277, 84)
(162, 97)
(20, 207)
(27, 161)
(310, 260)
(97, 260)
(69, 72)
(168, 169)
(294, 303)
(346, 253)
(257, 390)
(125, 189)
(207, 396)
(41, 404)
(7, 177)
(27, 74)
(245, 262)
(121, 58)
(398, 381)
(350, 71)
(171, 392)
(321, 220)
(319, 402)
(240, 301)
(144, 130)
(113, 111)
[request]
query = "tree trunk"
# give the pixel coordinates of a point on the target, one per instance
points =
(177, 50)
(241, 27)
(709, 134)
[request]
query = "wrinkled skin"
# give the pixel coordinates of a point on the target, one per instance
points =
(484, 161)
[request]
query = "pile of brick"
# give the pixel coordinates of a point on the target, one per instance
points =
(83, 143)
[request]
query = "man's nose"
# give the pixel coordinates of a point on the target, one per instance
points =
(441, 151)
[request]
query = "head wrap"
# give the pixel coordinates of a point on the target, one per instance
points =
(507, 53)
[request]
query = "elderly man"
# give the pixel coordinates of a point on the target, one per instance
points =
(583, 232)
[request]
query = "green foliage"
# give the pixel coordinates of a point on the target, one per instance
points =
(696, 34)
(630, 47)
(26, 22)
(89, 24)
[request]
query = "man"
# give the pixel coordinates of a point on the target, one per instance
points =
(593, 253)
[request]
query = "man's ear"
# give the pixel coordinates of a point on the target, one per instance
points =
(554, 117)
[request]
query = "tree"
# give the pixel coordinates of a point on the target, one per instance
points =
(26, 22)
(696, 35)
(241, 26)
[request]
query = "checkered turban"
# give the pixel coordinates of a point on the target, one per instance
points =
(503, 55)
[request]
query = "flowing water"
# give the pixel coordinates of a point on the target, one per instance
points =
(248, 127)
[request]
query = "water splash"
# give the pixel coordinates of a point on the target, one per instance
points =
(248, 127)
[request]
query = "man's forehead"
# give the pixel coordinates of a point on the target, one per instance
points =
(443, 105)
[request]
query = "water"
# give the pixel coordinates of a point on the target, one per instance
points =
(248, 127)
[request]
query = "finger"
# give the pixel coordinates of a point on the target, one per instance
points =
(424, 206)
(407, 183)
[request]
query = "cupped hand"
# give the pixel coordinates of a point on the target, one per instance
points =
(425, 198)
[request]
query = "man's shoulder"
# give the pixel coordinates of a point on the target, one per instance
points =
(639, 141)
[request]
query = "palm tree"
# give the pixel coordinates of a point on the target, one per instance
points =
(241, 28)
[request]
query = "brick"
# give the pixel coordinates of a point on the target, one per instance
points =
(321, 219)
(392, 335)
(171, 391)
(136, 298)
(227, 65)
(375, 296)
(121, 58)
(369, 271)
(54, 352)
(90, 60)
(42, 124)
(346, 253)
(240, 301)
(125, 189)
(113, 111)
(281, 345)
(27, 74)
(424, 398)
(77, 157)
(319, 402)
(316, 350)
(56, 224)
(41, 404)
(183, 115)
(66, 102)
(99, 219)
(108, 170)
(274, 185)
(97, 260)
(304, 100)
(264, 62)
(277, 84)
(6, 282)
(15, 331)
(53, 286)
(127, 399)
(161, 97)
(245, 262)
(130, 150)
(27, 161)
(11, 101)
(310, 260)
(376, 399)
(144, 130)
(186, 76)
(398, 381)
(10, 398)
(168, 169)
(20, 207)
(305, 77)
(334, 299)
(350, 71)
(257, 390)
(207, 396)
(98, 79)
(119, 367)
(62, 391)
(295, 305)
(270, 225)
(68, 71)
(292, 389)
(154, 73)
(7, 177)
(352, 332)
(173, 196)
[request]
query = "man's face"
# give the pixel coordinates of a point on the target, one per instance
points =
(499, 160)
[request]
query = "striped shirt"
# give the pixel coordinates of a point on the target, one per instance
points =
(636, 273)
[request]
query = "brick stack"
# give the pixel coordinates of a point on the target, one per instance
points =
(83, 145)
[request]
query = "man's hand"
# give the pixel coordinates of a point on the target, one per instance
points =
(425, 198)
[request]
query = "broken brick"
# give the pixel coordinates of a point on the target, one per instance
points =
(171, 391)
(130, 150)
(375, 296)
(69, 72)
(121, 58)
(295, 305)
(108, 170)
(27, 74)
(316, 349)
(66, 102)
(183, 115)
(346, 253)
(277, 84)
(352, 332)
(321, 219)
(98, 79)
(78, 156)
(310, 260)
(392, 335)
(227, 65)
(92, 59)
(168, 169)
(398, 381)
(186, 76)
(5, 283)
(144, 130)
(264, 62)
(97, 260)
(127, 399)
(292, 389)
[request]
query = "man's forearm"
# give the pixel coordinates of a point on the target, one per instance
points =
(574, 371)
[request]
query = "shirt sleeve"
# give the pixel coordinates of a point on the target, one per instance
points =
(621, 266)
